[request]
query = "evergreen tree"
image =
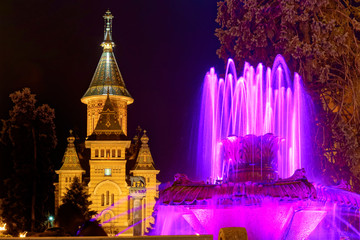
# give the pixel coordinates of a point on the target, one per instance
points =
(77, 195)
(319, 39)
(27, 139)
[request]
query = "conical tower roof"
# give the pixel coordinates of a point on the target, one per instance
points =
(108, 126)
(144, 160)
(107, 75)
(71, 159)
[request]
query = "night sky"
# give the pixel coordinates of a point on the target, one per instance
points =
(163, 49)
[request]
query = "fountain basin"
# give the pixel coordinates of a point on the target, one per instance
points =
(274, 220)
(294, 209)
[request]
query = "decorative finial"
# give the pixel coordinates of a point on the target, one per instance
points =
(108, 43)
(108, 91)
(144, 138)
(138, 130)
(71, 138)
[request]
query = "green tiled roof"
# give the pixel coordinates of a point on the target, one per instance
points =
(107, 76)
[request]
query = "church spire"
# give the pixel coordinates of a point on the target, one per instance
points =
(107, 75)
(108, 44)
(107, 80)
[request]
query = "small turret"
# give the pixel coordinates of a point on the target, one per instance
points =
(144, 167)
(71, 159)
(144, 160)
(70, 169)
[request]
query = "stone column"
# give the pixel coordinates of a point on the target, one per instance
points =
(137, 193)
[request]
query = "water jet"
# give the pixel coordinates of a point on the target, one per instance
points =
(254, 148)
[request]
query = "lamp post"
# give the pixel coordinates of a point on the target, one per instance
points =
(50, 221)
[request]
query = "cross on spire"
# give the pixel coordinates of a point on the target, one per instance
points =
(108, 43)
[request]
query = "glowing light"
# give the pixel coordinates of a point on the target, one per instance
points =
(107, 171)
(260, 101)
(107, 45)
(3, 227)
(23, 234)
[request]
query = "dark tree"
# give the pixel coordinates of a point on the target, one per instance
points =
(78, 195)
(27, 140)
(319, 39)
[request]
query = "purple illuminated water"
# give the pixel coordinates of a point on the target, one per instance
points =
(252, 130)
(260, 101)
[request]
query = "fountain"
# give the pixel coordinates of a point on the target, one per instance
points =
(254, 146)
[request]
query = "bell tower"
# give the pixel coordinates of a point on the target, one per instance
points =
(70, 169)
(107, 79)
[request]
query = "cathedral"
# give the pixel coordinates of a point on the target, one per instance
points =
(121, 176)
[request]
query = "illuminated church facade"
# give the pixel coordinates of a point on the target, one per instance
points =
(113, 155)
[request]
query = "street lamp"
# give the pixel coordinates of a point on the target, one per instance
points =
(50, 221)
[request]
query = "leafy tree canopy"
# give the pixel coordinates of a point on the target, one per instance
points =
(27, 139)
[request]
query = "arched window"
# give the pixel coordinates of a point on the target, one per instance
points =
(107, 197)
(102, 199)
(107, 216)
(66, 179)
(96, 153)
(112, 199)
